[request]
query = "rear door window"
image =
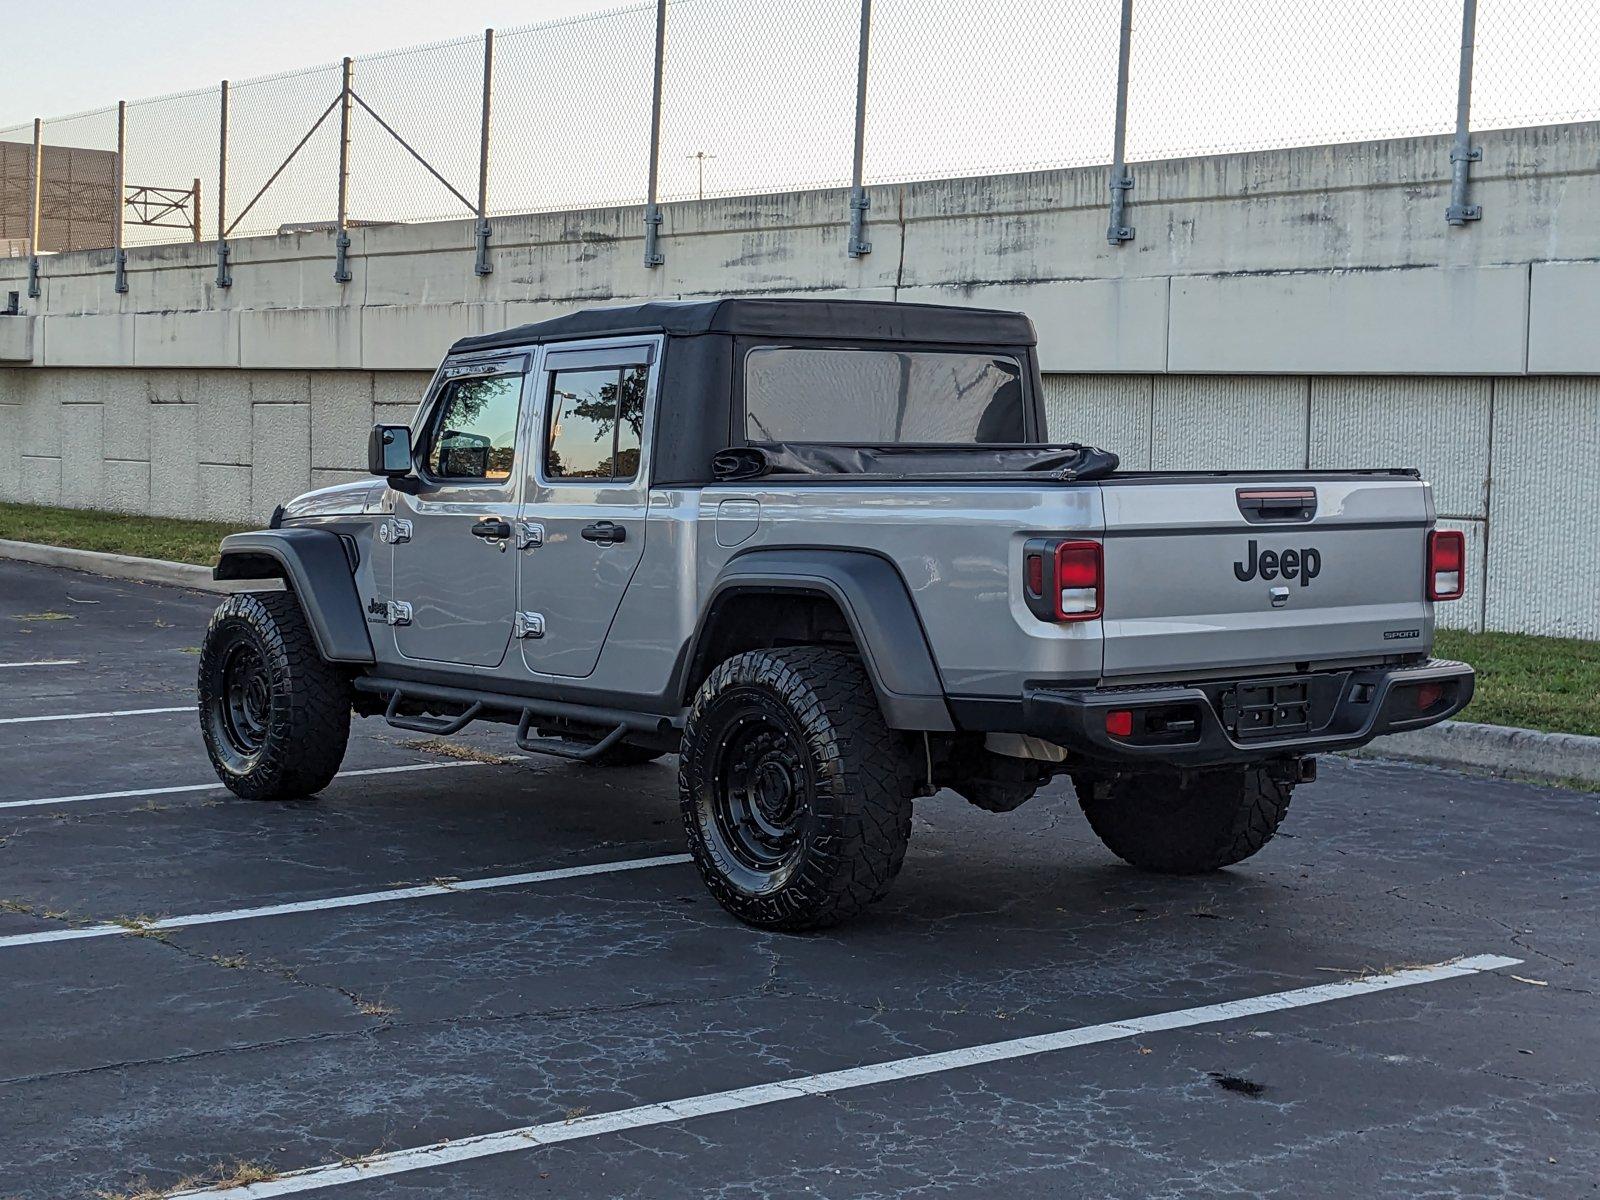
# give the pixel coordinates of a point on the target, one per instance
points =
(882, 397)
(595, 423)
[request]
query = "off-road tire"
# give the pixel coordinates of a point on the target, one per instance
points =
(1159, 823)
(803, 726)
(283, 736)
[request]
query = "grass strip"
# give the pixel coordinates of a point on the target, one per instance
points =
(1532, 682)
(116, 533)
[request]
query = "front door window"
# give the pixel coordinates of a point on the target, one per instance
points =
(475, 432)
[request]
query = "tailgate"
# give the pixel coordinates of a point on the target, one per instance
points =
(1208, 575)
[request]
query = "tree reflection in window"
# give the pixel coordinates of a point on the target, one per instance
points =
(476, 433)
(596, 423)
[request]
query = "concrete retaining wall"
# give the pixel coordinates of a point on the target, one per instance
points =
(183, 442)
(1305, 307)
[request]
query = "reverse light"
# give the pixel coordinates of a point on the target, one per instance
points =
(1447, 564)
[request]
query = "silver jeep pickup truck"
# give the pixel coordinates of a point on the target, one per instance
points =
(825, 553)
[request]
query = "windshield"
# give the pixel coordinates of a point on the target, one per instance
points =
(882, 397)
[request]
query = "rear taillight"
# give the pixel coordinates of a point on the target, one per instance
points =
(1447, 564)
(1063, 580)
(1078, 581)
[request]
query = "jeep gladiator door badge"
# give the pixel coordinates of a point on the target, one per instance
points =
(390, 612)
(1304, 565)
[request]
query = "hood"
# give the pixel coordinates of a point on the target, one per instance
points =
(342, 499)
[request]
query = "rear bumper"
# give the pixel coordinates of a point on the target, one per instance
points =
(1247, 720)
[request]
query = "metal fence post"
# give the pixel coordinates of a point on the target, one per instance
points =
(1462, 154)
(482, 266)
(1119, 231)
(858, 245)
(35, 199)
(119, 200)
(224, 276)
(652, 210)
(194, 210)
(341, 243)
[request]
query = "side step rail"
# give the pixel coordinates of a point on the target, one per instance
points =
(434, 725)
(559, 747)
(481, 704)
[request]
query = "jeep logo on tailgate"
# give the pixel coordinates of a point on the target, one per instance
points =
(1304, 565)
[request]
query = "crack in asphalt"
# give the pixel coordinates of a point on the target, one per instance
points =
(1517, 934)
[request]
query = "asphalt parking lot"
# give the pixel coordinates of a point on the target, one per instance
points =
(407, 986)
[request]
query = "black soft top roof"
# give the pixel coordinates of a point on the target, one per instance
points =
(857, 320)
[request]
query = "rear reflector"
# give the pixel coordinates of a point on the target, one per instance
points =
(1429, 694)
(1033, 575)
(1119, 723)
(1447, 564)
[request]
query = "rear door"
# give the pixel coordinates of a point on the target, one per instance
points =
(586, 499)
(1206, 576)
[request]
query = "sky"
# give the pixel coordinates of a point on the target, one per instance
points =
(162, 46)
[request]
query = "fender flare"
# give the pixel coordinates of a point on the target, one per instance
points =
(877, 606)
(316, 567)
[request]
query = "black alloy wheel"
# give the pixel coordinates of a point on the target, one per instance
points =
(795, 794)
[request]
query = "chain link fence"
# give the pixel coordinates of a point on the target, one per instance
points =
(1265, 75)
(170, 168)
(697, 99)
(958, 88)
(282, 152)
(571, 105)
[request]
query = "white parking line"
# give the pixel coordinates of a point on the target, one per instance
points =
(398, 1162)
(94, 716)
(387, 896)
(45, 662)
(216, 787)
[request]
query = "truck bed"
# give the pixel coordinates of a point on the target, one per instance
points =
(1193, 587)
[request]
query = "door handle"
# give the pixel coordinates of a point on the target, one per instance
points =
(492, 529)
(605, 533)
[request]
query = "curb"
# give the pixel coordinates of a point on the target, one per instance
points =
(1559, 758)
(121, 566)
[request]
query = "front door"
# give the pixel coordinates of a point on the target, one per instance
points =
(587, 496)
(452, 542)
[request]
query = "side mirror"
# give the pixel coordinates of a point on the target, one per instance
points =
(389, 451)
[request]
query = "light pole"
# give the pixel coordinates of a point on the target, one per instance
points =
(700, 157)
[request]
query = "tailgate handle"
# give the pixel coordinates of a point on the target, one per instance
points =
(1259, 505)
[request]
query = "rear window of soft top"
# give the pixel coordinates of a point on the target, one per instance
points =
(873, 397)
